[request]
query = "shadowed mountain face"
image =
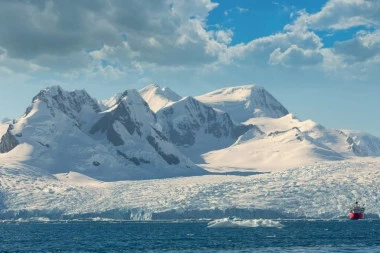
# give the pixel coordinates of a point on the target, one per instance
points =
(8, 141)
(197, 128)
(125, 112)
(73, 104)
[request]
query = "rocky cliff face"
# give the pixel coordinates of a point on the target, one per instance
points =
(75, 104)
(8, 141)
(361, 144)
(131, 111)
(130, 121)
(196, 127)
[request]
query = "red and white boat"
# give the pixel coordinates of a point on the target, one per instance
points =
(356, 212)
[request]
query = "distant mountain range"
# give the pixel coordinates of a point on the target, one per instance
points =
(155, 133)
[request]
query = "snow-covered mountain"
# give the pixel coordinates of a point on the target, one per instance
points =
(244, 102)
(197, 128)
(273, 149)
(288, 142)
(67, 131)
(277, 140)
(121, 138)
(346, 142)
(55, 161)
(158, 97)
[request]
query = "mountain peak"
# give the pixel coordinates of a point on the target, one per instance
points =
(129, 96)
(132, 95)
(70, 103)
(158, 97)
(237, 92)
(244, 102)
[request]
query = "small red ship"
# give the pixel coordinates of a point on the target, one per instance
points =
(356, 212)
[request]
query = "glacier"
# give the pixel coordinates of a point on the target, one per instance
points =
(322, 190)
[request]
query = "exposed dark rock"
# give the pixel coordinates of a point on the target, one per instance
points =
(70, 103)
(105, 125)
(43, 144)
(198, 117)
(169, 158)
(160, 134)
(135, 160)
(8, 141)
(355, 148)
(123, 114)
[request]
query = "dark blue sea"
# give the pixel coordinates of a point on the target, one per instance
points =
(117, 236)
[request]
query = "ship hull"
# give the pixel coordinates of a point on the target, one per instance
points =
(356, 216)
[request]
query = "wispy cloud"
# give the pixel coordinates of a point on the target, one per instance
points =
(236, 9)
(242, 10)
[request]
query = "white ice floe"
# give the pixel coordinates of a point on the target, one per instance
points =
(253, 223)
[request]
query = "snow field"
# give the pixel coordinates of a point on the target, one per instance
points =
(322, 190)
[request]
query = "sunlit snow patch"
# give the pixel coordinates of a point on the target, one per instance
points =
(236, 222)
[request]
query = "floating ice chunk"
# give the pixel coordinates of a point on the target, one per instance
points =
(232, 222)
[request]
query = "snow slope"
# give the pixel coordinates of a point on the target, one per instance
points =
(288, 142)
(346, 142)
(244, 102)
(321, 190)
(158, 97)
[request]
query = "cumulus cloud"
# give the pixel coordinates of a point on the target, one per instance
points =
(363, 47)
(55, 28)
(263, 50)
(161, 32)
(355, 53)
(342, 14)
(114, 39)
(295, 56)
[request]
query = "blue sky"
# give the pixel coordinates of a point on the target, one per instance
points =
(320, 59)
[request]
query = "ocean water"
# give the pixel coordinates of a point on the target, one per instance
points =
(195, 236)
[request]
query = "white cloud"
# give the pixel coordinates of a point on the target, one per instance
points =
(364, 47)
(224, 36)
(143, 39)
(350, 58)
(259, 51)
(296, 57)
(242, 10)
(343, 14)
